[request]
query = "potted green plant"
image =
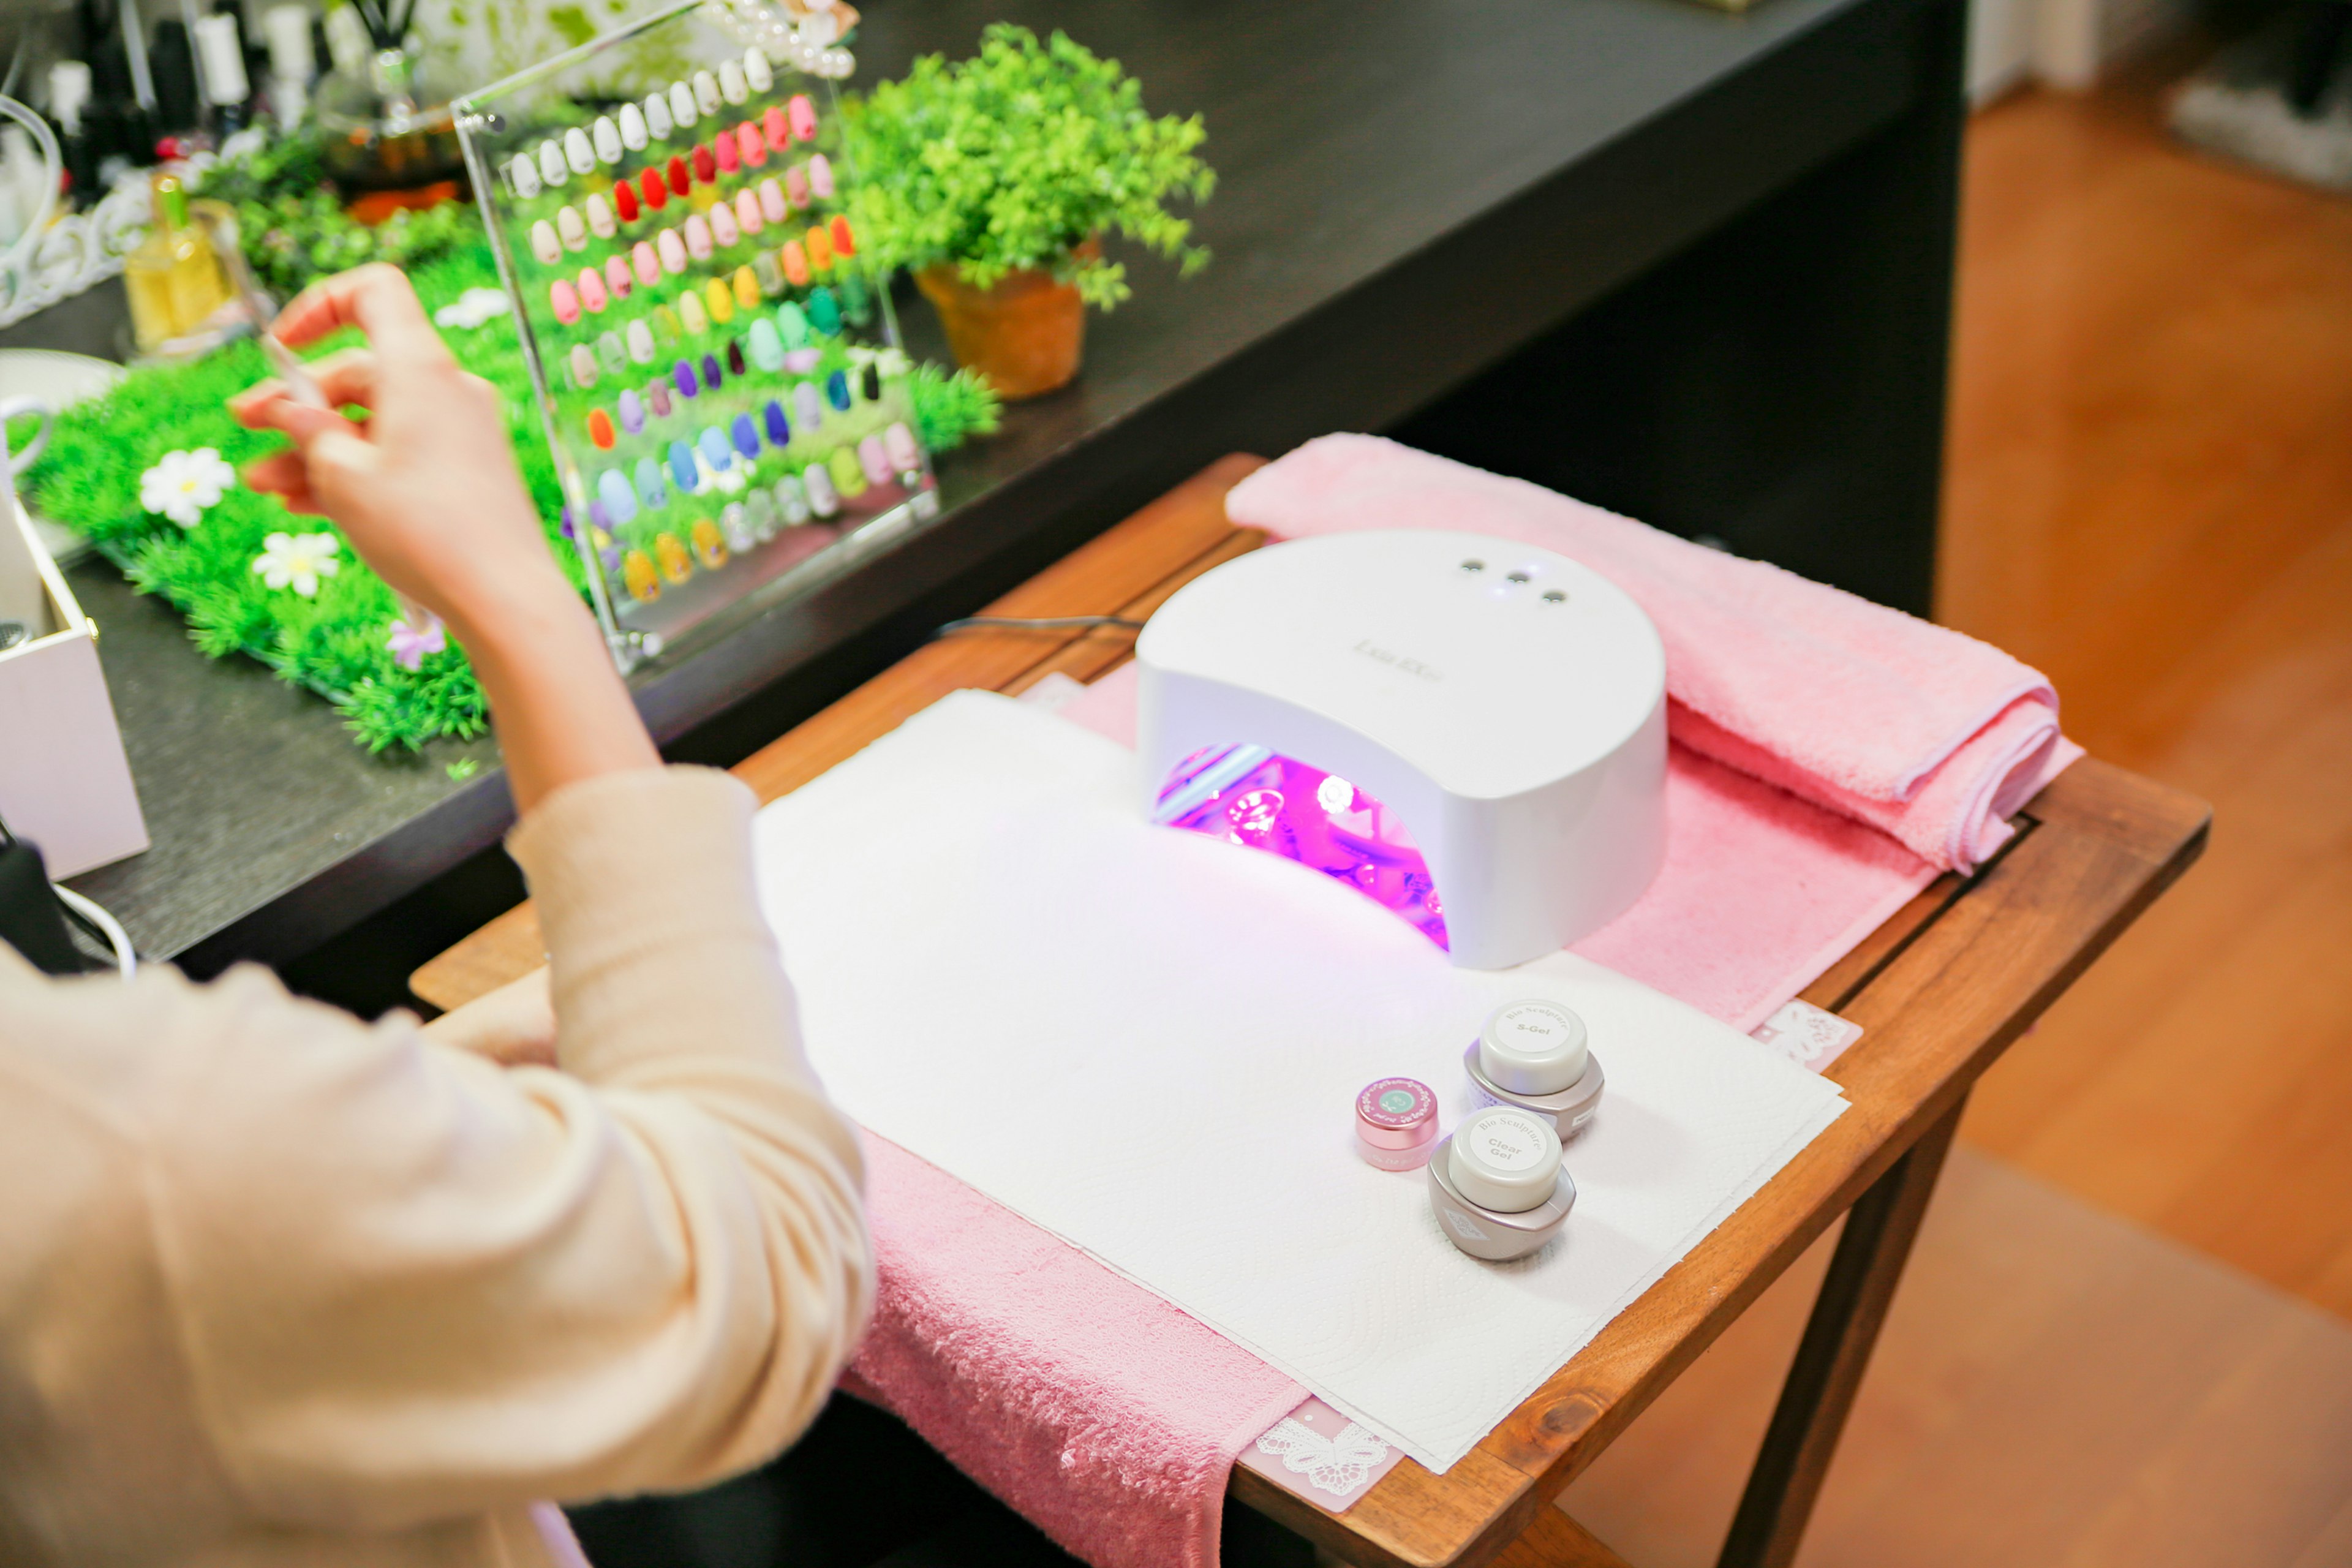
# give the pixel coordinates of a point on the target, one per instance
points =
(994, 181)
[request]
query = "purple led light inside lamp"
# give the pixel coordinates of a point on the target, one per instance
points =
(1250, 796)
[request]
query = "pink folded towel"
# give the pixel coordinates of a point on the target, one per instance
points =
(1107, 1416)
(1930, 736)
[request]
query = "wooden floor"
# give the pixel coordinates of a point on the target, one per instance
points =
(2151, 498)
(2123, 1340)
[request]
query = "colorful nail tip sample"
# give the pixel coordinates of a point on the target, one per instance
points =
(671, 250)
(765, 347)
(552, 167)
(652, 488)
(592, 291)
(599, 429)
(774, 130)
(844, 242)
(640, 340)
(579, 151)
(872, 382)
(750, 145)
(632, 127)
(847, 477)
(657, 194)
(620, 500)
(749, 217)
(820, 249)
(770, 277)
(721, 300)
(638, 576)
(758, 70)
(721, 219)
(607, 138)
(609, 355)
(690, 311)
(583, 366)
(600, 218)
(711, 376)
(821, 175)
(706, 92)
(802, 112)
(780, 429)
(675, 565)
(709, 544)
(724, 151)
(796, 185)
(658, 123)
(836, 390)
(808, 409)
(625, 202)
(564, 300)
(706, 166)
(746, 435)
(899, 442)
(731, 85)
(616, 277)
(746, 284)
(633, 411)
(874, 460)
(680, 182)
(681, 465)
(698, 238)
(795, 260)
(823, 498)
(682, 111)
(523, 173)
(822, 314)
(544, 245)
(688, 386)
(715, 451)
(734, 358)
(800, 361)
(791, 501)
(773, 204)
(793, 325)
(645, 263)
(568, 227)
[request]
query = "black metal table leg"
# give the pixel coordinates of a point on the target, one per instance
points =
(1833, 1354)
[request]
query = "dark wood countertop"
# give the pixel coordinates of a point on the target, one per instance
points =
(1410, 191)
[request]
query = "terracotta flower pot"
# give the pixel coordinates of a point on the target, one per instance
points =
(1024, 333)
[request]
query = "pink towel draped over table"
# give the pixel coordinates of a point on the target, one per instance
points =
(1830, 757)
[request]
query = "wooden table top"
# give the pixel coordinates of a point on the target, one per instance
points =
(1940, 990)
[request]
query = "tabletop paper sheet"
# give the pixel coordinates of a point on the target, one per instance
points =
(1149, 1043)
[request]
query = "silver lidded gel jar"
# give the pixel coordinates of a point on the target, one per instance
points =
(1497, 1185)
(1534, 1055)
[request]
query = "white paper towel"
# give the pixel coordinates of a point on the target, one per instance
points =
(1151, 1044)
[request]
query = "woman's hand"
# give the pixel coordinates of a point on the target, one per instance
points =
(426, 489)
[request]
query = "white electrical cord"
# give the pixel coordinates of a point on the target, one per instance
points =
(126, 957)
(53, 163)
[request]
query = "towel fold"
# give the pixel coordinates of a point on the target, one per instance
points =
(1929, 735)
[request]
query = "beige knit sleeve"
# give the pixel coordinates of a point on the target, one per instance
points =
(414, 1283)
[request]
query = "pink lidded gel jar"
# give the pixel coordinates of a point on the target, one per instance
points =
(1396, 1123)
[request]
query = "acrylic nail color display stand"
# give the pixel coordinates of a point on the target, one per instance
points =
(720, 375)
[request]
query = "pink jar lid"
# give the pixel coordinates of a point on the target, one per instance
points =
(1396, 1113)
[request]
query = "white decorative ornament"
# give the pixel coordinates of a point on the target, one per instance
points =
(298, 560)
(1336, 1465)
(78, 251)
(183, 485)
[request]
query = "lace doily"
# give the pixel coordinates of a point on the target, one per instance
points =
(1337, 1465)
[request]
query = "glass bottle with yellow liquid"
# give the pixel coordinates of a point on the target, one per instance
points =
(175, 281)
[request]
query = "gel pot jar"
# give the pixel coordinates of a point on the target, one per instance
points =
(1396, 1123)
(1497, 1185)
(1533, 1055)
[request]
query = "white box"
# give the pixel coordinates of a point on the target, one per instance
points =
(65, 783)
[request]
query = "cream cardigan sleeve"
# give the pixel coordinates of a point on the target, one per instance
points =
(411, 1283)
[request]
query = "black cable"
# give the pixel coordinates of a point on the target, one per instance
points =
(1037, 624)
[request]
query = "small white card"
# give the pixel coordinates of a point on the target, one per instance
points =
(1806, 1034)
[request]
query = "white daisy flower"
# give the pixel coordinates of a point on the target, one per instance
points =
(183, 485)
(298, 560)
(474, 308)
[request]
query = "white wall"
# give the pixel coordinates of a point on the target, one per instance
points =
(2063, 43)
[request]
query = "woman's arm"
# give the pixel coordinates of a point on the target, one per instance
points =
(426, 490)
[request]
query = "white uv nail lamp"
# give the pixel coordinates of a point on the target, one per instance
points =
(1470, 731)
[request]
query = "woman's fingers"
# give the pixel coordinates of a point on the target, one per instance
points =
(377, 299)
(285, 476)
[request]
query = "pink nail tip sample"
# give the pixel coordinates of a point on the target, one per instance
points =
(565, 301)
(648, 265)
(672, 250)
(778, 133)
(1396, 1123)
(874, 460)
(900, 443)
(821, 175)
(721, 219)
(616, 277)
(751, 145)
(748, 216)
(801, 113)
(592, 290)
(771, 200)
(698, 238)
